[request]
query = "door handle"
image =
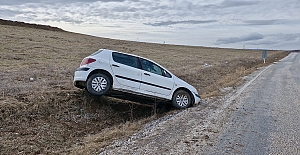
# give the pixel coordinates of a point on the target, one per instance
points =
(147, 74)
(115, 65)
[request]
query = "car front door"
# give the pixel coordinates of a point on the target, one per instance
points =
(126, 70)
(155, 79)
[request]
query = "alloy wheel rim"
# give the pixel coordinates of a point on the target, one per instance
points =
(182, 100)
(99, 84)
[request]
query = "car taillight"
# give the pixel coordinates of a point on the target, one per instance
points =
(87, 61)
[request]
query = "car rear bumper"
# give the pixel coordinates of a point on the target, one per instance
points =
(80, 76)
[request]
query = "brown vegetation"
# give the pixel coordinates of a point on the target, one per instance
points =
(47, 114)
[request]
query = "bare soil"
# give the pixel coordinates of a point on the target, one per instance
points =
(41, 112)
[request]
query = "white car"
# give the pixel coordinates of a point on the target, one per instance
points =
(131, 77)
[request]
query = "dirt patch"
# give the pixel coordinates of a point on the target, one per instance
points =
(42, 112)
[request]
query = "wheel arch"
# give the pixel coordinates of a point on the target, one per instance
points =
(102, 72)
(187, 90)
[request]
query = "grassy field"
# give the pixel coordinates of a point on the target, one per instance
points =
(49, 115)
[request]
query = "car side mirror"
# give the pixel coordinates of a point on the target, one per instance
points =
(165, 73)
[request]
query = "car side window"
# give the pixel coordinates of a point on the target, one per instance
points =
(153, 68)
(125, 59)
(166, 74)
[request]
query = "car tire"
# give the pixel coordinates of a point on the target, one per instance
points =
(98, 84)
(181, 99)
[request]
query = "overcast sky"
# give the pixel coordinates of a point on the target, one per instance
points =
(263, 24)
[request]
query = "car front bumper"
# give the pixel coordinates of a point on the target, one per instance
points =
(197, 98)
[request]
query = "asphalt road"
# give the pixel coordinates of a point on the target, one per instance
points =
(267, 115)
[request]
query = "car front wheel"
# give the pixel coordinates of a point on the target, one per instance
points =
(98, 84)
(181, 99)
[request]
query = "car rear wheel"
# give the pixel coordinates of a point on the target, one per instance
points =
(98, 84)
(181, 99)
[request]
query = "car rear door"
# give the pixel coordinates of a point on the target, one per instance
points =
(126, 70)
(155, 79)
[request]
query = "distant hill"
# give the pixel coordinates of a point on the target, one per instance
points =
(36, 26)
(294, 51)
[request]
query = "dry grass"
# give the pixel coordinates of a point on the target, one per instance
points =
(92, 143)
(49, 116)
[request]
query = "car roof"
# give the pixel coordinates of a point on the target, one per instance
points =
(135, 56)
(131, 55)
(123, 53)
